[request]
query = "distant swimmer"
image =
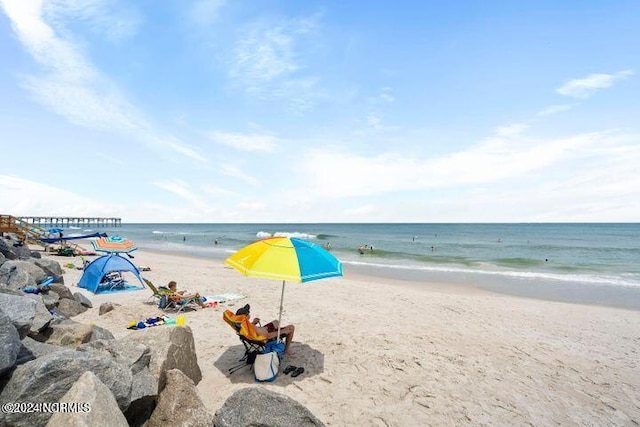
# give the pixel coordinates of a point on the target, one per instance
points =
(327, 246)
(362, 249)
(215, 242)
(433, 248)
(414, 238)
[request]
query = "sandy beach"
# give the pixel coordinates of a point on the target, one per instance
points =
(393, 353)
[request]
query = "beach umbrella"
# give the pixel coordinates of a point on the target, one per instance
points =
(54, 230)
(287, 259)
(113, 245)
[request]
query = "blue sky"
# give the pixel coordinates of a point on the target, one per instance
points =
(310, 111)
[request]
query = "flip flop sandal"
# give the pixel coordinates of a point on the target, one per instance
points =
(288, 369)
(297, 372)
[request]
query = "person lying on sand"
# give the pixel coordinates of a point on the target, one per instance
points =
(270, 330)
(183, 295)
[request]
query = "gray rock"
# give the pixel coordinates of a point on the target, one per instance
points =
(31, 349)
(171, 348)
(61, 290)
(144, 394)
(100, 334)
(10, 291)
(10, 347)
(58, 318)
(14, 278)
(49, 377)
(2, 259)
(104, 410)
(49, 266)
(50, 299)
(7, 250)
(82, 300)
(180, 401)
(144, 388)
(42, 318)
(67, 334)
(70, 307)
(128, 353)
(260, 407)
(35, 254)
(21, 310)
(23, 252)
(11, 267)
(105, 307)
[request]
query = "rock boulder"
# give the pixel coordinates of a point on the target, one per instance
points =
(180, 401)
(11, 268)
(49, 377)
(69, 307)
(82, 300)
(104, 410)
(21, 310)
(172, 347)
(49, 266)
(260, 407)
(10, 347)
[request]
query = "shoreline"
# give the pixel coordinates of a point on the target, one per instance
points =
(590, 295)
(379, 352)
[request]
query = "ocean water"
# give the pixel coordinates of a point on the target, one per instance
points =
(584, 263)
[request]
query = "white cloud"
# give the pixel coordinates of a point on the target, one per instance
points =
(492, 160)
(267, 64)
(71, 86)
(585, 87)
(111, 19)
(386, 95)
(178, 187)
(265, 56)
(234, 172)
(511, 130)
(194, 198)
(554, 109)
(360, 210)
(19, 196)
(245, 142)
(251, 207)
(214, 190)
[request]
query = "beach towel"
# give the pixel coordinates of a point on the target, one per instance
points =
(222, 298)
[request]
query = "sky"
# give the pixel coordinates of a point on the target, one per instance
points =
(216, 111)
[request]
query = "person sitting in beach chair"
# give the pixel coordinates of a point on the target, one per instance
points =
(182, 298)
(253, 343)
(270, 330)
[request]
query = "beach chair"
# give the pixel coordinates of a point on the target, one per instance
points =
(157, 292)
(113, 280)
(176, 302)
(254, 344)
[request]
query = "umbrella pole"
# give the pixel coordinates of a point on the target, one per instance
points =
(280, 315)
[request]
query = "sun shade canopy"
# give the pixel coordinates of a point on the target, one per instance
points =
(93, 274)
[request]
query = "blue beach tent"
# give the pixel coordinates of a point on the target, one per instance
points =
(100, 267)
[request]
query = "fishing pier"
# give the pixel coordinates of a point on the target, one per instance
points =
(71, 221)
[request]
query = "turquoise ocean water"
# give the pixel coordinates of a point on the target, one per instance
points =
(584, 263)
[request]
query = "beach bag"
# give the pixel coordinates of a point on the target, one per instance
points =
(267, 364)
(164, 300)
